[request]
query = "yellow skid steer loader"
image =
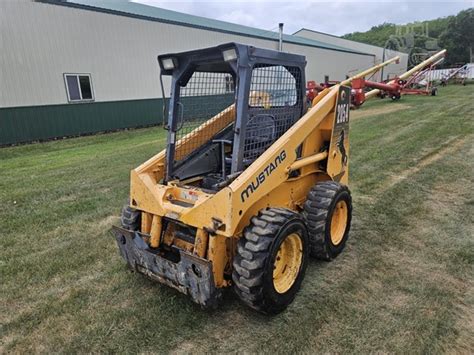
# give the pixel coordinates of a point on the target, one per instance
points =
(251, 182)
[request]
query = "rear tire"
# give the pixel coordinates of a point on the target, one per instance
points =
(130, 218)
(328, 214)
(271, 260)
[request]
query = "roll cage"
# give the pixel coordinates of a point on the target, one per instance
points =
(262, 90)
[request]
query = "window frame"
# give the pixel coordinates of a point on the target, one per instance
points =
(77, 75)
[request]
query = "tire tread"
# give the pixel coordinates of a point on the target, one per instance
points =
(315, 211)
(253, 252)
(130, 218)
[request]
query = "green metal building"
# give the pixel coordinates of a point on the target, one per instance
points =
(70, 68)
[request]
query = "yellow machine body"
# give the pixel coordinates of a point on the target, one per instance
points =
(221, 217)
(183, 232)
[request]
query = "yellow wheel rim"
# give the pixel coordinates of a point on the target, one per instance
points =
(338, 222)
(287, 263)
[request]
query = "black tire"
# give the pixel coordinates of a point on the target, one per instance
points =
(130, 218)
(256, 254)
(318, 211)
(434, 91)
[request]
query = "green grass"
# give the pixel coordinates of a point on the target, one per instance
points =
(404, 283)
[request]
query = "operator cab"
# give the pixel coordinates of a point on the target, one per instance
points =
(227, 105)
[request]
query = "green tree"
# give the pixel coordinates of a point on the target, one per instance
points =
(377, 35)
(455, 33)
(458, 37)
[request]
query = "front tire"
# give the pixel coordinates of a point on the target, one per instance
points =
(328, 215)
(271, 260)
(130, 218)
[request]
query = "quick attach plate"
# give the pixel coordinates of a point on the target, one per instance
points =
(190, 275)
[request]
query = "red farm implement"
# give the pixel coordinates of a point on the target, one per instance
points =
(416, 81)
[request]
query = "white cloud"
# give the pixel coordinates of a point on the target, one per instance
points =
(240, 17)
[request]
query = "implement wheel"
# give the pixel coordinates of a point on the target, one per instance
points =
(130, 218)
(328, 214)
(271, 260)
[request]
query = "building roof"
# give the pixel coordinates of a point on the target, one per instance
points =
(330, 35)
(152, 13)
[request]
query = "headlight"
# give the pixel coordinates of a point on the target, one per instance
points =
(169, 63)
(229, 54)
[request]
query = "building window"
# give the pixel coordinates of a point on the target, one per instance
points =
(79, 87)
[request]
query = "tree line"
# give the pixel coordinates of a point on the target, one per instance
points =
(455, 33)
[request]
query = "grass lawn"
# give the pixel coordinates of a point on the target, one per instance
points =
(405, 282)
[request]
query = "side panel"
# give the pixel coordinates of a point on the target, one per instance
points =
(37, 123)
(338, 160)
(26, 124)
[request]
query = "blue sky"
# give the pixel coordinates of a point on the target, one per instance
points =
(334, 17)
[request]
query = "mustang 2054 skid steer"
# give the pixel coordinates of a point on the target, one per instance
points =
(250, 184)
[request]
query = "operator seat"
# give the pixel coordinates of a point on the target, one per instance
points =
(261, 132)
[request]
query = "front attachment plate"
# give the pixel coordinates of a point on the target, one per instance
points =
(190, 275)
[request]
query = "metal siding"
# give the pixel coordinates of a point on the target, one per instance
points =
(33, 123)
(392, 69)
(43, 41)
(152, 13)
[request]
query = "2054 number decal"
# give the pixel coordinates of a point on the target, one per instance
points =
(342, 113)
